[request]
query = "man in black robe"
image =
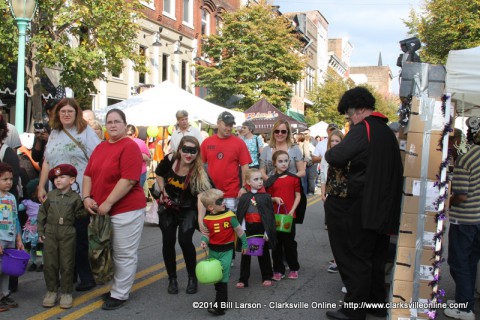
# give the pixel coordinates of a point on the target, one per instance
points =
(362, 218)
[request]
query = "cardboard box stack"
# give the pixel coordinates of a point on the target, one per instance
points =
(415, 247)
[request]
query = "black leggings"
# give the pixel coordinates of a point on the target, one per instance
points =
(186, 221)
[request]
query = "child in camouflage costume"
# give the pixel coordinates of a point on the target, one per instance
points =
(55, 228)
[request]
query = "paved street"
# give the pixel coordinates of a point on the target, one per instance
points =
(315, 288)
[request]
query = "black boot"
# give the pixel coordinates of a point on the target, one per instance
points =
(221, 296)
(172, 285)
(192, 285)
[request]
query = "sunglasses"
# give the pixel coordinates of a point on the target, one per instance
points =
(280, 131)
(219, 202)
(191, 150)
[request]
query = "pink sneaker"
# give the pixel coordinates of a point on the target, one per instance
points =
(277, 276)
(293, 275)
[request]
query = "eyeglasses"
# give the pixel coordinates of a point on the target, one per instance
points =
(191, 150)
(350, 112)
(219, 202)
(64, 112)
(280, 131)
(114, 122)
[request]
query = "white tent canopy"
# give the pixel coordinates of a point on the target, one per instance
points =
(463, 79)
(158, 105)
(319, 129)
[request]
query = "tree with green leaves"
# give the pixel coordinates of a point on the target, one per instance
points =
(83, 39)
(325, 98)
(444, 25)
(256, 55)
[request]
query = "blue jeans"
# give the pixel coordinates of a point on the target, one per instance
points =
(463, 256)
(143, 178)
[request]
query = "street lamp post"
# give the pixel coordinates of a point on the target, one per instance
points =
(22, 12)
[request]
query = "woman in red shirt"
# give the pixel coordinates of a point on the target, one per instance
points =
(110, 186)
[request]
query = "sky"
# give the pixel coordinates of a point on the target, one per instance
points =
(371, 26)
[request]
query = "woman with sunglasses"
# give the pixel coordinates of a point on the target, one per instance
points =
(280, 139)
(181, 177)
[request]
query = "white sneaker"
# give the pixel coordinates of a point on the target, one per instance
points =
(458, 314)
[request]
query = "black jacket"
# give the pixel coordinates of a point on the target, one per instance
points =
(375, 174)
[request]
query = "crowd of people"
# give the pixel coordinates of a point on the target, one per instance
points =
(225, 186)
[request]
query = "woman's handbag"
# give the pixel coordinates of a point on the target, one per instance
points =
(100, 248)
(151, 215)
(168, 203)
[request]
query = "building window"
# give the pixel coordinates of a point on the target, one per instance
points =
(117, 74)
(111, 101)
(218, 25)
(169, 8)
(184, 75)
(141, 75)
(148, 3)
(203, 92)
(205, 23)
(188, 12)
(309, 79)
(165, 58)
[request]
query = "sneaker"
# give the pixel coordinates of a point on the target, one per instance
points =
(458, 314)
(333, 268)
(277, 276)
(112, 303)
(331, 261)
(9, 302)
(66, 301)
(293, 275)
(40, 268)
(344, 289)
(50, 299)
(3, 307)
(32, 267)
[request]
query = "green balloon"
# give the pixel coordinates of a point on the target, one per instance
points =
(152, 131)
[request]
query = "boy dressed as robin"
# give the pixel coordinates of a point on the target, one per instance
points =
(222, 225)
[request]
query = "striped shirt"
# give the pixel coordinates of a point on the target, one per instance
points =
(466, 181)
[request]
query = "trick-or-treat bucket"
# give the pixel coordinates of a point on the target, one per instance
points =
(255, 246)
(209, 271)
(283, 222)
(14, 262)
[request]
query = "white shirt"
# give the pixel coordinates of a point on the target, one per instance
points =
(321, 148)
(13, 138)
(178, 134)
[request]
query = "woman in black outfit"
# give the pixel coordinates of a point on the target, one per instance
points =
(181, 177)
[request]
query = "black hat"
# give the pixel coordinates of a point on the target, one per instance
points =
(332, 126)
(227, 117)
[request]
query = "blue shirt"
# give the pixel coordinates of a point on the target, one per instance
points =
(9, 223)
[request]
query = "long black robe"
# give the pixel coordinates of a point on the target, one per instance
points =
(376, 172)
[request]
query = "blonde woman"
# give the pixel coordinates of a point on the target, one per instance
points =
(281, 140)
(181, 177)
(333, 139)
(97, 127)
